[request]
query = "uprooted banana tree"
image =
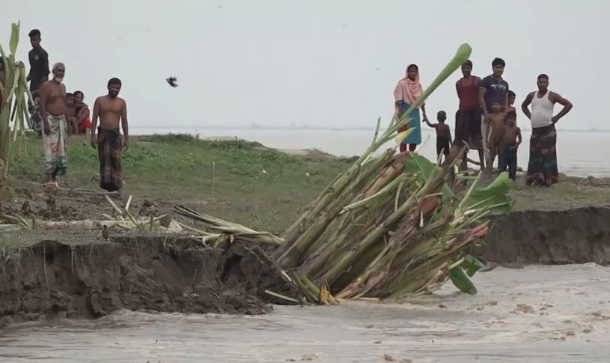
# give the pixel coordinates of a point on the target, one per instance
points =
(390, 226)
(15, 98)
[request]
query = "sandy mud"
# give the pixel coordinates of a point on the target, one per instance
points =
(54, 279)
(578, 235)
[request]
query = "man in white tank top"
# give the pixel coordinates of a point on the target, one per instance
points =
(542, 168)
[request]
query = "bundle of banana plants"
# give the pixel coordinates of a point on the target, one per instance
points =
(15, 99)
(393, 224)
(406, 233)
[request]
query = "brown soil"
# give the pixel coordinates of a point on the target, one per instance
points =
(578, 235)
(154, 274)
(66, 205)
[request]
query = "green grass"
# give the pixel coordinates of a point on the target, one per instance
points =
(239, 181)
(571, 192)
(235, 180)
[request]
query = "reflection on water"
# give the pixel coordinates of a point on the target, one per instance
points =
(536, 314)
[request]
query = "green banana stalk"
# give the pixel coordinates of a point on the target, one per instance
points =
(16, 96)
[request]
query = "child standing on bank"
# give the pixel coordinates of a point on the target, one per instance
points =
(510, 145)
(443, 134)
(495, 136)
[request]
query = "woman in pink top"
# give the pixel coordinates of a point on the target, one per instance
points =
(407, 91)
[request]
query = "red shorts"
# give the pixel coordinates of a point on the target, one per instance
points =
(83, 126)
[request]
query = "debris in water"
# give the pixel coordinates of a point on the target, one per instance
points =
(523, 309)
(307, 357)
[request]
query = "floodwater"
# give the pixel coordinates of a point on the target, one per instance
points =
(579, 153)
(535, 314)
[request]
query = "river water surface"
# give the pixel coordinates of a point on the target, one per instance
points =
(535, 314)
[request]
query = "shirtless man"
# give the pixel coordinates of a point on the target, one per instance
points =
(52, 106)
(112, 111)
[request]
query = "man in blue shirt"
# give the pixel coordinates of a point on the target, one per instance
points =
(492, 88)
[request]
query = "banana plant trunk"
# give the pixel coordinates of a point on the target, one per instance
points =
(15, 94)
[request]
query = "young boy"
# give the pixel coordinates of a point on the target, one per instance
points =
(443, 134)
(71, 115)
(510, 144)
(511, 101)
(497, 133)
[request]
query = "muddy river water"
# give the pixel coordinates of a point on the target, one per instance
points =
(534, 314)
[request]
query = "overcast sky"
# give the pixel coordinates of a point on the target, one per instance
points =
(317, 62)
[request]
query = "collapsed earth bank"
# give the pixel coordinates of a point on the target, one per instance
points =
(156, 274)
(577, 235)
(153, 274)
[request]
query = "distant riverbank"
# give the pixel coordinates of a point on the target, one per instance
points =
(580, 153)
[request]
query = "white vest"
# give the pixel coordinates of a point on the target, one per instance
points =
(542, 110)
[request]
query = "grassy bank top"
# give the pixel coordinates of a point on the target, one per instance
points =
(239, 181)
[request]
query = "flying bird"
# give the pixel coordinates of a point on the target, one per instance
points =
(172, 81)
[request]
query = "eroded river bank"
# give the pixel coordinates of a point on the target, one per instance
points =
(535, 314)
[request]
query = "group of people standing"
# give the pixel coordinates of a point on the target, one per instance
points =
(77, 112)
(486, 121)
(57, 114)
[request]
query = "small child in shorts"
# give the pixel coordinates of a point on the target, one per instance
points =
(510, 143)
(443, 134)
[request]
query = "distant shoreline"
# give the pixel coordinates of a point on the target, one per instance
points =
(314, 128)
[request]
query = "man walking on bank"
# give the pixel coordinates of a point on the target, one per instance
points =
(112, 111)
(542, 167)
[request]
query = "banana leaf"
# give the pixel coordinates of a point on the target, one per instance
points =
(417, 164)
(494, 197)
(471, 265)
(461, 280)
